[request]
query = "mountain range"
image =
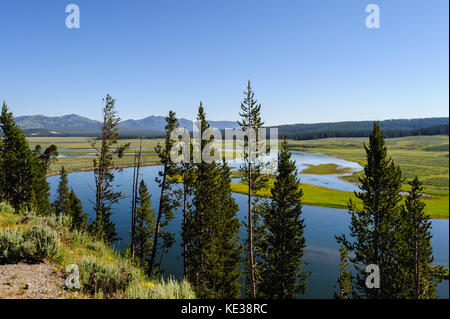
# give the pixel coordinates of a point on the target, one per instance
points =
(153, 126)
(74, 124)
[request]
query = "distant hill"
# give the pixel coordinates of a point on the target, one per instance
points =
(391, 128)
(71, 125)
(153, 126)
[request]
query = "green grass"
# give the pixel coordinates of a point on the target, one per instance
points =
(436, 206)
(326, 169)
(425, 156)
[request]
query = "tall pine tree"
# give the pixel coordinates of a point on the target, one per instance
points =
(211, 230)
(145, 225)
(60, 205)
(105, 194)
(75, 210)
(22, 172)
(344, 282)
(283, 274)
(250, 123)
(374, 228)
(169, 198)
(415, 247)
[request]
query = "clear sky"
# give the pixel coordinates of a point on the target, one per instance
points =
(309, 61)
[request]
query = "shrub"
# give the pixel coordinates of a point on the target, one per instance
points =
(44, 241)
(35, 245)
(6, 208)
(110, 279)
(170, 289)
(12, 245)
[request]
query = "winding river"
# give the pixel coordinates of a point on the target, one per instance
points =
(322, 223)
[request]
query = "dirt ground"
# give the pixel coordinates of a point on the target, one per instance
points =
(32, 281)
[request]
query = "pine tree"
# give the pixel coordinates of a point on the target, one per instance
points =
(375, 226)
(75, 210)
(105, 195)
(187, 174)
(145, 225)
(60, 205)
(22, 172)
(251, 168)
(211, 230)
(282, 274)
(416, 251)
(344, 282)
(169, 198)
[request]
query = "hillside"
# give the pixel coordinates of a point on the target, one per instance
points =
(35, 251)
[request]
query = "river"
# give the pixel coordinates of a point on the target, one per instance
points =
(322, 223)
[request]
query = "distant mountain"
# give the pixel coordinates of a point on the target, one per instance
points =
(57, 123)
(153, 126)
(40, 125)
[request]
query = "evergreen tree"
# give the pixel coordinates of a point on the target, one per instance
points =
(251, 174)
(75, 210)
(169, 198)
(282, 274)
(187, 174)
(60, 205)
(375, 226)
(344, 283)
(105, 194)
(415, 249)
(22, 172)
(211, 231)
(145, 225)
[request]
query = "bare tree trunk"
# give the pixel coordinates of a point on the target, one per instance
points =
(416, 261)
(133, 206)
(184, 228)
(101, 173)
(250, 237)
(158, 224)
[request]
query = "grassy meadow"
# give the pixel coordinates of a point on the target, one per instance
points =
(425, 156)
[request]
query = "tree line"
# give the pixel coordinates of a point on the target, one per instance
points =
(385, 231)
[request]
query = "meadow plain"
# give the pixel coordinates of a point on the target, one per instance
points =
(425, 156)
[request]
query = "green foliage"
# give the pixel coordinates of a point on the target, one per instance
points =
(35, 245)
(106, 196)
(75, 211)
(283, 244)
(162, 289)
(211, 229)
(45, 241)
(60, 205)
(145, 225)
(109, 279)
(251, 169)
(375, 226)
(169, 198)
(416, 253)
(344, 282)
(22, 172)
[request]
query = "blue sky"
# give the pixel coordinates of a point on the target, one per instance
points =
(309, 61)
